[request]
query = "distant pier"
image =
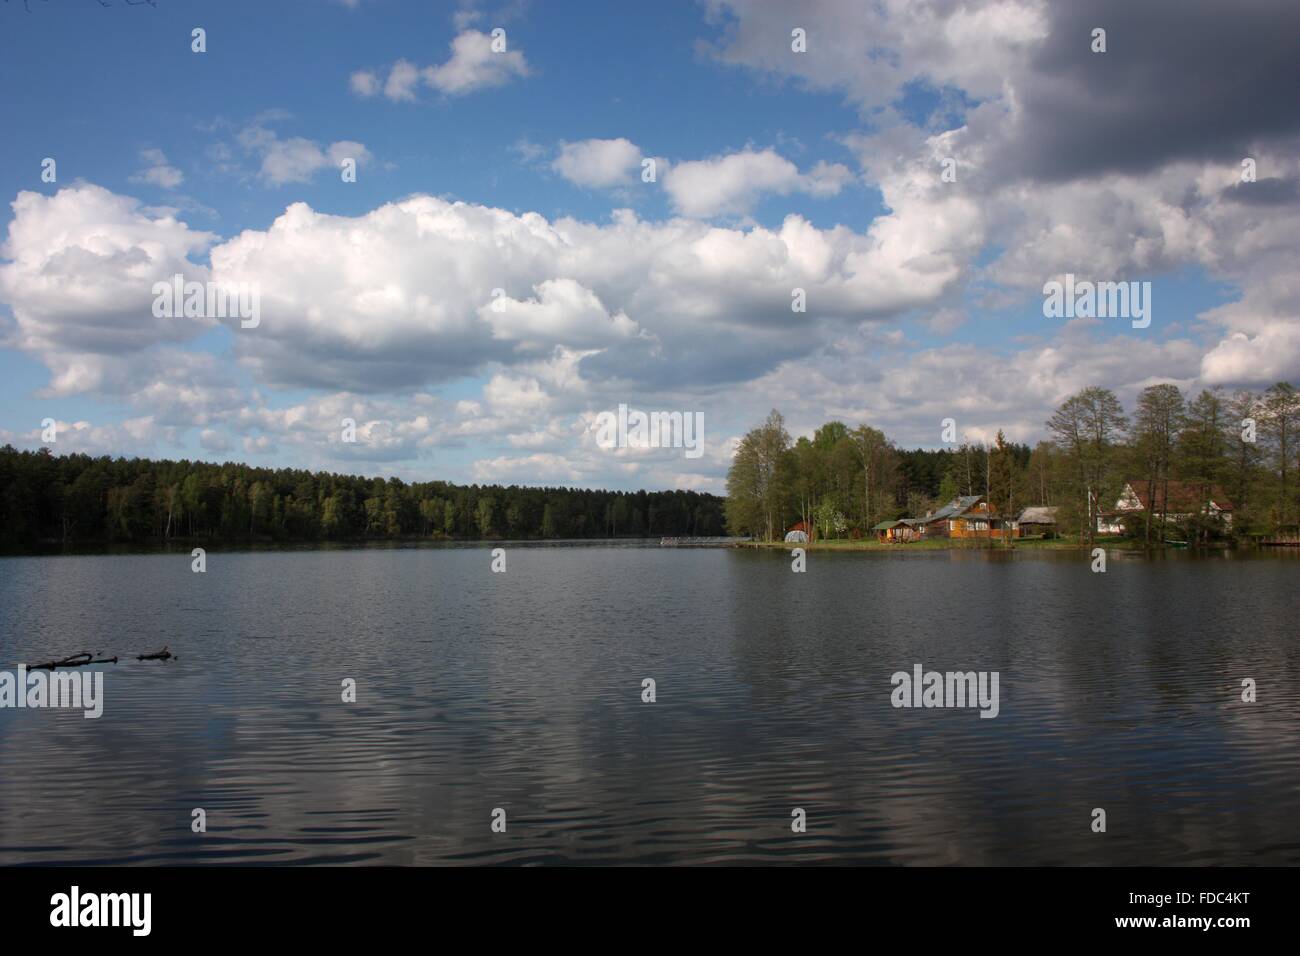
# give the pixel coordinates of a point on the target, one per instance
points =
(715, 542)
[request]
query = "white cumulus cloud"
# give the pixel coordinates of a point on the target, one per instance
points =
(735, 182)
(598, 163)
(473, 65)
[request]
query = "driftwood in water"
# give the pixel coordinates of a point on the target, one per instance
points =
(79, 660)
(76, 660)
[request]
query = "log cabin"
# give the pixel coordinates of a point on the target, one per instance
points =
(968, 516)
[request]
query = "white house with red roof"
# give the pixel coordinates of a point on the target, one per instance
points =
(1177, 500)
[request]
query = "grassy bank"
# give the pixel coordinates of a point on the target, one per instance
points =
(1110, 542)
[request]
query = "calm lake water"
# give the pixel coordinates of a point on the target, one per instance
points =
(523, 691)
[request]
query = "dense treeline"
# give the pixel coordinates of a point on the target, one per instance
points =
(1243, 445)
(76, 498)
(842, 481)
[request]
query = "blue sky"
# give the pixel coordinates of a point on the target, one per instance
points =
(598, 71)
(521, 170)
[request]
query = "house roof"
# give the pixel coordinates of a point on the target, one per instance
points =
(886, 525)
(953, 509)
(1185, 497)
(1038, 516)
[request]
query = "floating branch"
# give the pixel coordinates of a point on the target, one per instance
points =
(76, 660)
(27, 4)
(163, 655)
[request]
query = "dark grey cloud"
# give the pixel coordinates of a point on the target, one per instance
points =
(1265, 192)
(333, 363)
(1180, 79)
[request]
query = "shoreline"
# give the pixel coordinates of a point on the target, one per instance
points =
(1109, 543)
(181, 547)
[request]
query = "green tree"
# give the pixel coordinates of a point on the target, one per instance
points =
(755, 486)
(1007, 483)
(486, 517)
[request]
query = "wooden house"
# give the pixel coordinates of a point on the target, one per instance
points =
(896, 531)
(969, 516)
(1036, 521)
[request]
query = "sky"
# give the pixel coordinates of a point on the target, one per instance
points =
(622, 204)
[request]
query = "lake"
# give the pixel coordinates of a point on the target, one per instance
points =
(523, 691)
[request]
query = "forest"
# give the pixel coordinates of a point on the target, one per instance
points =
(840, 481)
(66, 499)
(843, 480)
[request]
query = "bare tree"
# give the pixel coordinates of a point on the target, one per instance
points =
(1087, 428)
(1243, 408)
(1281, 424)
(871, 446)
(1157, 424)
